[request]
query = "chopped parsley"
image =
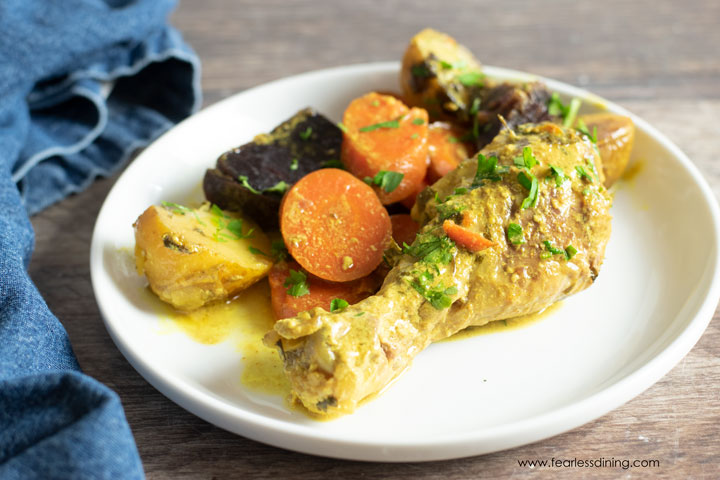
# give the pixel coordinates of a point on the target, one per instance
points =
(582, 173)
(279, 187)
(559, 175)
(527, 160)
(515, 234)
(475, 107)
(338, 304)
(471, 79)
(306, 134)
(278, 250)
(453, 140)
(296, 284)
(530, 182)
(487, 169)
(294, 164)
(566, 112)
(389, 124)
(449, 66)
(360, 314)
(342, 127)
(568, 252)
(438, 296)
(431, 249)
(418, 121)
(244, 182)
(449, 210)
(227, 228)
(386, 180)
(176, 208)
(414, 136)
(583, 128)
(375, 103)
(257, 251)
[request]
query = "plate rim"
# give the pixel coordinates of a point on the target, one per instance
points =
(443, 446)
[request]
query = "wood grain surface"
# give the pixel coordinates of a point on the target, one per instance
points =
(657, 58)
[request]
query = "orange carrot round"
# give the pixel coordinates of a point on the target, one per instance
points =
(334, 225)
(463, 237)
(404, 228)
(318, 292)
(383, 134)
(445, 149)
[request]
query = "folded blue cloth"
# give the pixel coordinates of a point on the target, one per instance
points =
(83, 83)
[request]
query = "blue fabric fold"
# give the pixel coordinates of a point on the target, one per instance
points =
(83, 84)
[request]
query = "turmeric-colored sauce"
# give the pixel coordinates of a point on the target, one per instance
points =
(243, 320)
(505, 325)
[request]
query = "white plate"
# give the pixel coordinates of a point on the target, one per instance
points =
(655, 295)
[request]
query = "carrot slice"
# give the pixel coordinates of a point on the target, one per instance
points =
(334, 225)
(383, 134)
(445, 149)
(404, 228)
(466, 238)
(320, 293)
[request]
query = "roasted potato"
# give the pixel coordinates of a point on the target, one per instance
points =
(615, 137)
(192, 257)
(440, 75)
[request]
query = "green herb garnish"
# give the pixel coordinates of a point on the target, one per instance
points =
(342, 127)
(431, 249)
(438, 296)
(450, 210)
(278, 250)
(338, 304)
(306, 134)
(487, 169)
(414, 136)
(176, 208)
(294, 164)
(244, 182)
(568, 252)
(376, 126)
(279, 187)
(471, 79)
(583, 128)
(515, 234)
(418, 121)
(257, 251)
(582, 173)
(572, 112)
(530, 182)
(386, 180)
(296, 284)
(559, 175)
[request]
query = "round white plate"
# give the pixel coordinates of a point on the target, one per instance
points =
(655, 295)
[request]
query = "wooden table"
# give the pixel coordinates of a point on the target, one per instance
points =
(657, 58)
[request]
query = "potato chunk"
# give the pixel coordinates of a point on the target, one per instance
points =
(192, 257)
(440, 75)
(615, 137)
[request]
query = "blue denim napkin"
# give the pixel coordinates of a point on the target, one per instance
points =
(83, 83)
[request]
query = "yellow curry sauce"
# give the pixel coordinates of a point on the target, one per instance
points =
(247, 317)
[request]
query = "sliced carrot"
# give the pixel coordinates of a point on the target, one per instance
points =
(404, 228)
(320, 293)
(445, 150)
(466, 238)
(410, 201)
(334, 225)
(383, 134)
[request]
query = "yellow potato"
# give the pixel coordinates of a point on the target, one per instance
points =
(615, 137)
(192, 257)
(440, 75)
